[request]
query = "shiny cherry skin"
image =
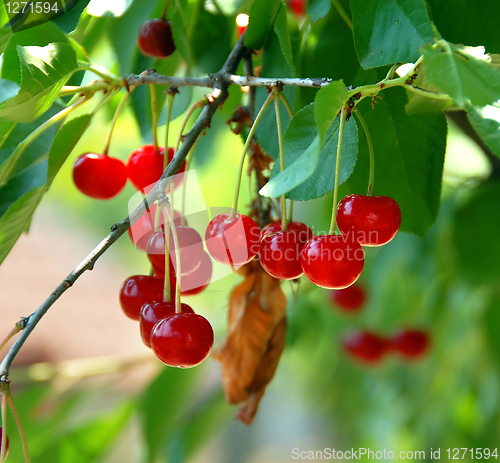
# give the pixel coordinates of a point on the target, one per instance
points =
(332, 261)
(7, 444)
(195, 282)
(280, 254)
(410, 343)
(152, 312)
(371, 220)
(298, 7)
(182, 340)
(366, 346)
(350, 299)
(305, 233)
(190, 250)
(141, 231)
(145, 167)
(99, 176)
(232, 240)
(155, 38)
(139, 289)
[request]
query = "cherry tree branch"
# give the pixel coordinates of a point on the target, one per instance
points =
(216, 97)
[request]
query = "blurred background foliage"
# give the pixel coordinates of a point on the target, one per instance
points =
(446, 283)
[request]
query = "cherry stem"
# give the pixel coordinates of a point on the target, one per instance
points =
(3, 445)
(184, 183)
(287, 104)
(371, 176)
(13, 410)
(103, 102)
(284, 224)
(290, 213)
(170, 103)
(165, 204)
(342, 13)
(15, 156)
(154, 122)
(166, 287)
(163, 15)
(245, 149)
(118, 111)
(343, 117)
(197, 104)
(11, 334)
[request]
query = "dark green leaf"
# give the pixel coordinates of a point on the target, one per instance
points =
(159, 412)
(180, 35)
(389, 31)
(299, 135)
(461, 75)
(295, 173)
(328, 102)
(44, 72)
(478, 217)
(181, 103)
(281, 29)
(318, 8)
(65, 140)
(469, 22)
(113, 8)
(409, 156)
(262, 15)
(19, 198)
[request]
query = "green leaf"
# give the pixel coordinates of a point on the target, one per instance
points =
(299, 135)
(389, 31)
(472, 23)
(180, 35)
(113, 8)
(294, 174)
(8, 90)
(488, 129)
(181, 103)
(262, 15)
(159, 412)
(462, 76)
(19, 198)
(65, 140)
(409, 157)
(13, 133)
(281, 29)
(43, 73)
(328, 102)
(318, 9)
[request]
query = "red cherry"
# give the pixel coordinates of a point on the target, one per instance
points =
(232, 240)
(280, 254)
(99, 176)
(410, 343)
(6, 443)
(141, 230)
(197, 281)
(190, 250)
(155, 38)
(145, 167)
(332, 261)
(139, 289)
(372, 220)
(366, 346)
(298, 7)
(182, 340)
(152, 312)
(305, 233)
(350, 299)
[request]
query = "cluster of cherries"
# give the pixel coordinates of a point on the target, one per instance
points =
(102, 177)
(370, 347)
